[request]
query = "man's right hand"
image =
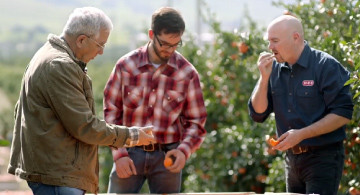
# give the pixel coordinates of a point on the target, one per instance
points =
(125, 167)
(259, 97)
(264, 64)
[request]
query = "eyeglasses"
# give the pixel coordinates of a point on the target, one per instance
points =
(166, 45)
(98, 44)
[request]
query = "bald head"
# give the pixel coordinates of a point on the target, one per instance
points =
(287, 23)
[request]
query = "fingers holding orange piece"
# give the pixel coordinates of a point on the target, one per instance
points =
(273, 142)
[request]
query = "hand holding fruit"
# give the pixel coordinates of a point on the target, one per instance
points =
(273, 142)
(287, 140)
(169, 161)
(145, 136)
(174, 160)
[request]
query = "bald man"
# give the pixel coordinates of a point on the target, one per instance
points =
(304, 88)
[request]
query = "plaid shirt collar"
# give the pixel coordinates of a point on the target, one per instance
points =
(146, 61)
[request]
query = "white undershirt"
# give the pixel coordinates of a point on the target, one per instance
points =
(156, 65)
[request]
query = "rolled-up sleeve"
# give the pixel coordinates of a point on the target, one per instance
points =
(337, 97)
(260, 117)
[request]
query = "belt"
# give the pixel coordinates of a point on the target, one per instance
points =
(299, 149)
(155, 147)
(302, 149)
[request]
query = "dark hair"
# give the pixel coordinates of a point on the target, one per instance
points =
(167, 20)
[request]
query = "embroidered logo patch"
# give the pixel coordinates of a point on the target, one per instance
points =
(308, 83)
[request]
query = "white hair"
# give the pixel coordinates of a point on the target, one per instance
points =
(88, 21)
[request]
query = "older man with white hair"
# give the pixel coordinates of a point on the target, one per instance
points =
(57, 134)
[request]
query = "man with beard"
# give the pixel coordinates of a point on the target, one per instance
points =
(155, 85)
(305, 89)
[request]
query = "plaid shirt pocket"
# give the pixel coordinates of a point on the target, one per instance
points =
(133, 96)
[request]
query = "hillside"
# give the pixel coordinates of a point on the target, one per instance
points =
(52, 14)
(25, 24)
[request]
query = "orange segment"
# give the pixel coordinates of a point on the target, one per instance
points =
(273, 142)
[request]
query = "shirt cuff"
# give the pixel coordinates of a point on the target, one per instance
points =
(183, 147)
(119, 153)
(257, 117)
(133, 136)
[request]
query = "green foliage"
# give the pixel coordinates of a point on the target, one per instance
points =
(235, 155)
(106, 163)
(4, 142)
(99, 74)
(10, 86)
(10, 80)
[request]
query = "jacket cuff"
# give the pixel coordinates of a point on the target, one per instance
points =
(122, 133)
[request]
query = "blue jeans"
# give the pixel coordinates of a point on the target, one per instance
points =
(317, 171)
(150, 166)
(43, 189)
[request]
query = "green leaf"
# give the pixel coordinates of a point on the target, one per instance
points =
(356, 95)
(4, 142)
(352, 80)
(357, 66)
(350, 31)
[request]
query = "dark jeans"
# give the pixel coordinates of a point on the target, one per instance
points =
(150, 167)
(316, 171)
(43, 189)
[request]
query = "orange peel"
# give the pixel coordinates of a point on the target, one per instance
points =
(168, 162)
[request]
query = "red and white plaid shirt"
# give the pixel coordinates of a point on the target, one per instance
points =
(168, 97)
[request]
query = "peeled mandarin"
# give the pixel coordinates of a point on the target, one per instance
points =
(273, 142)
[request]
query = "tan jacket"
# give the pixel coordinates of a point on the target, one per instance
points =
(56, 133)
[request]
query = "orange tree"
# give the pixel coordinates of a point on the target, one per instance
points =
(235, 155)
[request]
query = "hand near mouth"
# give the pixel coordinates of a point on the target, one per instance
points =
(264, 64)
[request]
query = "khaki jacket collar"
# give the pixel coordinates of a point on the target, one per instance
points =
(60, 41)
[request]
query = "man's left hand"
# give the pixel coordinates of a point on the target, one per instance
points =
(180, 161)
(288, 140)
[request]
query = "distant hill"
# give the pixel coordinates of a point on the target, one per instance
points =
(52, 14)
(25, 24)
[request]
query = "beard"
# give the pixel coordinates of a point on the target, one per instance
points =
(158, 53)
